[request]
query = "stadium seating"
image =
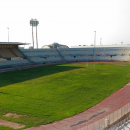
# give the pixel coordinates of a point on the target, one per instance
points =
(2, 63)
(43, 55)
(6, 53)
(39, 59)
(69, 58)
(102, 58)
(96, 54)
(15, 57)
(16, 52)
(12, 57)
(120, 58)
(126, 51)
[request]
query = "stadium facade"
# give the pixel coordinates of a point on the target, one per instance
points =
(11, 55)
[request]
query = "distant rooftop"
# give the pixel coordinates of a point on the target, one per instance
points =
(91, 46)
(13, 43)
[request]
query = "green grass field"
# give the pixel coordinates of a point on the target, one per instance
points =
(51, 93)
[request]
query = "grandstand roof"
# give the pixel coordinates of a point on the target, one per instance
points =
(13, 43)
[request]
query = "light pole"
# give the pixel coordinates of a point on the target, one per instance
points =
(94, 38)
(94, 42)
(100, 41)
(94, 46)
(34, 23)
(8, 34)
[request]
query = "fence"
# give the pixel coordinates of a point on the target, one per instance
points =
(122, 125)
(109, 122)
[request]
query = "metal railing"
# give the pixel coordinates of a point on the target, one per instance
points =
(122, 125)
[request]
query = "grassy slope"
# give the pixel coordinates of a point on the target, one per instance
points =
(49, 93)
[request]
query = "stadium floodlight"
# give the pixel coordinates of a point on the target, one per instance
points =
(34, 23)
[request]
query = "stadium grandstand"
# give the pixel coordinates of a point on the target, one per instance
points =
(55, 55)
(11, 55)
(100, 53)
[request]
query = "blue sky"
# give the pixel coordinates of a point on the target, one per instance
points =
(69, 22)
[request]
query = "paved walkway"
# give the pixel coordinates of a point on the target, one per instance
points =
(102, 109)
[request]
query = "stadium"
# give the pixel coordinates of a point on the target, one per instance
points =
(62, 88)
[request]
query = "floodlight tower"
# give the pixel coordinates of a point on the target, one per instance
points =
(34, 23)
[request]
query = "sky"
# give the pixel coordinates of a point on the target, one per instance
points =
(68, 22)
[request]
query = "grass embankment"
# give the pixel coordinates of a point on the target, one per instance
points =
(49, 93)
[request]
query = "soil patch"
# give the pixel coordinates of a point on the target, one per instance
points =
(13, 115)
(11, 124)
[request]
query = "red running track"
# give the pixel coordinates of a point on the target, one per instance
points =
(102, 109)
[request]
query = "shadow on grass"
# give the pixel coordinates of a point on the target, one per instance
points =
(17, 76)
